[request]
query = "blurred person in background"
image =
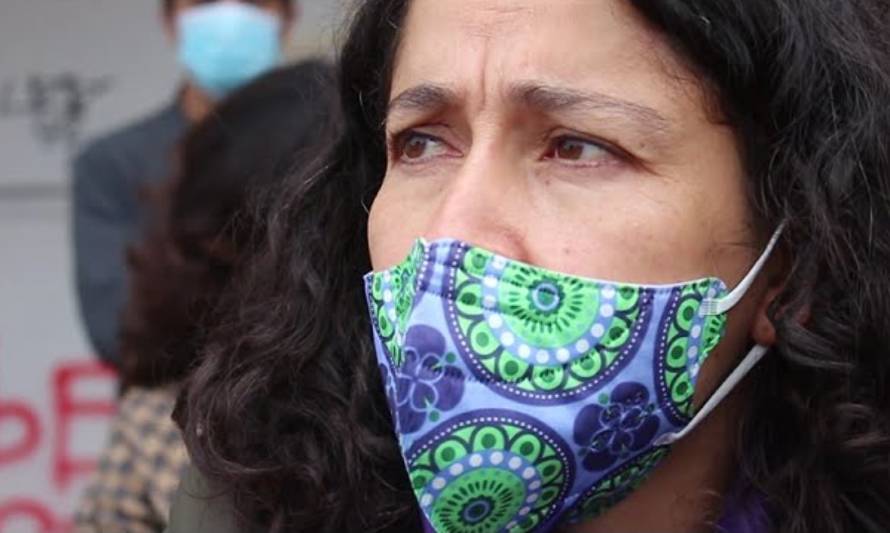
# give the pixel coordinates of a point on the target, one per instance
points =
(630, 273)
(200, 235)
(221, 45)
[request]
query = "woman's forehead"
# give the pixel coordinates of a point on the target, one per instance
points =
(480, 49)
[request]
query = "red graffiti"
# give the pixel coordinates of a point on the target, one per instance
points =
(70, 382)
(25, 417)
(24, 509)
(67, 409)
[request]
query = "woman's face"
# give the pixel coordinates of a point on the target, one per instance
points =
(565, 134)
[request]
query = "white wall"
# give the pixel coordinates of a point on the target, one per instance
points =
(69, 70)
(39, 338)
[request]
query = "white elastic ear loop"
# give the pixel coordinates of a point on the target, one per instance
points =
(750, 360)
(713, 306)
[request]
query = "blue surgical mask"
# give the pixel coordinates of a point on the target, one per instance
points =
(524, 398)
(224, 45)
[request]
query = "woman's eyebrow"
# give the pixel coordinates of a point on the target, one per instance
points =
(552, 99)
(543, 98)
(425, 97)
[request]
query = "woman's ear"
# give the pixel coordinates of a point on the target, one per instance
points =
(763, 332)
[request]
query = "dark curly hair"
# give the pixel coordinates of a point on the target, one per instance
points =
(289, 401)
(201, 227)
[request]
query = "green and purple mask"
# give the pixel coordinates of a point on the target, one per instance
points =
(524, 398)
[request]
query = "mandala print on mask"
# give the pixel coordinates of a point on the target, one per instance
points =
(615, 486)
(536, 336)
(426, 384)
(685, 339)
(490, 471)
(617, 427)
(524, 398)
(391, 295)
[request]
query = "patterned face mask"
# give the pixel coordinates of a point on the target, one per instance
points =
(524, 398)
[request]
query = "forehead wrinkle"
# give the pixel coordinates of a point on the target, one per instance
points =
(492, 20)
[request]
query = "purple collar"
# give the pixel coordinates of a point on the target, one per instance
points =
(744, 511)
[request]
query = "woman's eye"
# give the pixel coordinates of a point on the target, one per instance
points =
(414, 147)
(576, 150)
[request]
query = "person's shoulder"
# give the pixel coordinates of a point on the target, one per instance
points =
(160, 400)
(198, 508)
(133, 137)
(145, 417)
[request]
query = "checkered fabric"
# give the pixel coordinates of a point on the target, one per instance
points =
(139, 469)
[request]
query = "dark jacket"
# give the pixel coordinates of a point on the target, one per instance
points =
(108, 216)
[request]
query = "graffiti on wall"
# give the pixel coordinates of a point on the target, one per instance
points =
(21, 418)
(56, 104)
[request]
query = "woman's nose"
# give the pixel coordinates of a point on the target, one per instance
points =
(483, 204)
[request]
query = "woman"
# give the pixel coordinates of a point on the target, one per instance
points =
(723, 165)
(199, 240)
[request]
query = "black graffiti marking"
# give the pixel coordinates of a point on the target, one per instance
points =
(56, 103)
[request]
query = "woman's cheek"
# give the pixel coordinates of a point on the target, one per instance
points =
(393, 226)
